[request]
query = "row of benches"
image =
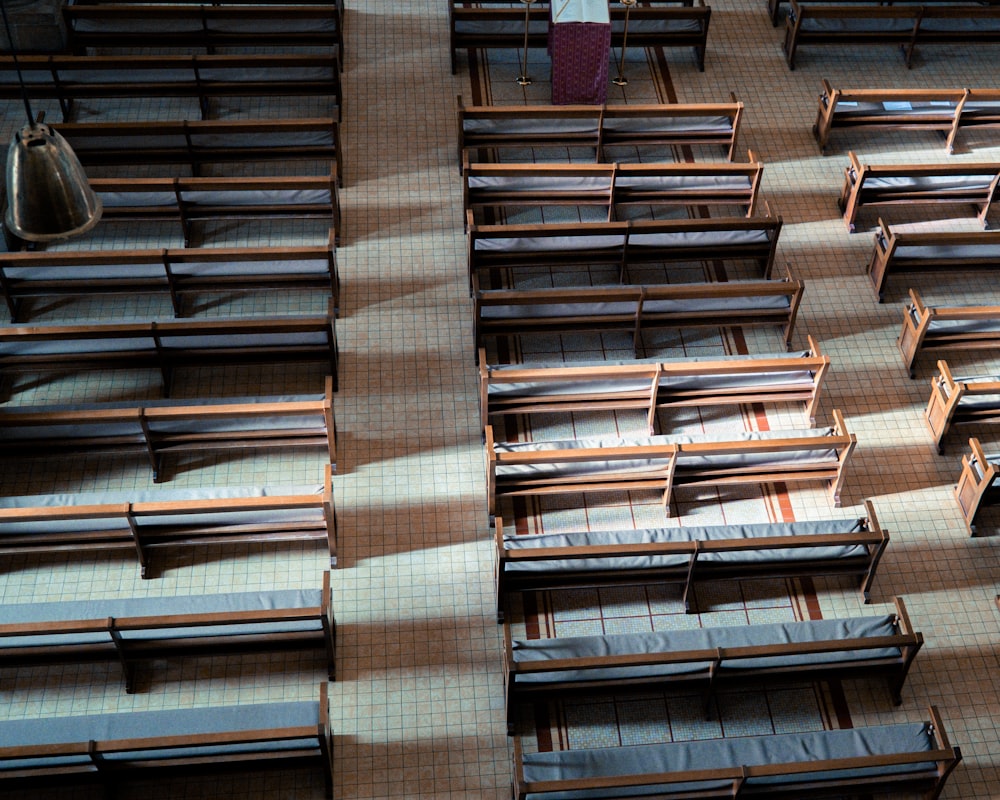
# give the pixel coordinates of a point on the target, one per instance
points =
(489, 130)
(106, 749)
(69, 79)
(909, 184)
(145, 523)
(623, 244)
(188, 201)
(501, 24)
(132, 631)
(189, 26)
(904, 25)
(652, 384)
(171, 345)
(946, 111)
(609, 188)
(156, 429)
(175, 272)
(664, 462)
(197, 144)
(634, 308)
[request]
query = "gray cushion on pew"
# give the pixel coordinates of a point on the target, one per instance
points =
(935, 183)
(516, 244)
(230, 517)
(903, 108)
(639, 464)
(952, 327)
(958, 24)
(554, 125)
(723, 533)
(191, 24)
(720, 304)
(104, 344)
(161, 607)
(72, 77)
(930, 252)
(240, 139)
(678, 641)
(499, 27)
(143, 724)
(534, 183)
(240, 197)
(859, 24)
(627, 125)
(221, 424)
(83, 272)
(724, 238)
(978, 402)
(683, 182)
(752, 750)
(277, 266)
(644, 25)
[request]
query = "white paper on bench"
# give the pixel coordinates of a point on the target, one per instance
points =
(679, 641)
(744, 750)
(638, 465)
(714, 533)
(162, 607)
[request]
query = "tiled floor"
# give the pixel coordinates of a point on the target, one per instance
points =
(418, 704)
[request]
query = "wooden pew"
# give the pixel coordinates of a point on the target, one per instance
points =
(888, 109)
(175, 272)
(516, 312)
(69, 79)
(658, 23)
(141, 26)
(663, 463)
(854, 761)
(689, 554)
(158, 429)
(493, 248)
(609, 187)
(960, 400)
(170, 345)
(485, 130)
(903, 24)
(145, 523)
(650, 385)
(705, 659)
(978, 486)
(132, 631)
(109, 749)
(196, 144)
(188, 201)
(912, 251)
(946, 328)
(908, 184)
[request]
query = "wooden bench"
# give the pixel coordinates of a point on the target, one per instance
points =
(658, 23)
(652, 384)
(888, 109)
(111, 748)
(196, 144)
(484, 130)
(946, 328)
(978, 484)
(144, 523)
(912, 251)
(663, 463)
(141, 26)
(904, 757)
(132, 631)
(69, 79)
(609, 187)
(188, 201)
(175, 272)
(157, 429)
(493, 248)
(705, 659)
(905, 25)
(922, 184)
(517, 312)
(960, 400)
(689, 554)
(170, 345)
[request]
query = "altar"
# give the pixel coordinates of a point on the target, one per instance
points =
(580, 47)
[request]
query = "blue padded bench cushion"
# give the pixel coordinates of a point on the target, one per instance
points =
(719, 753)
(678, 641)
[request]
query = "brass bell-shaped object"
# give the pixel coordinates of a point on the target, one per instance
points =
(48, 195)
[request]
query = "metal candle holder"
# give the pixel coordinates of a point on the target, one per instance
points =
(621, 80)
(523, 78)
